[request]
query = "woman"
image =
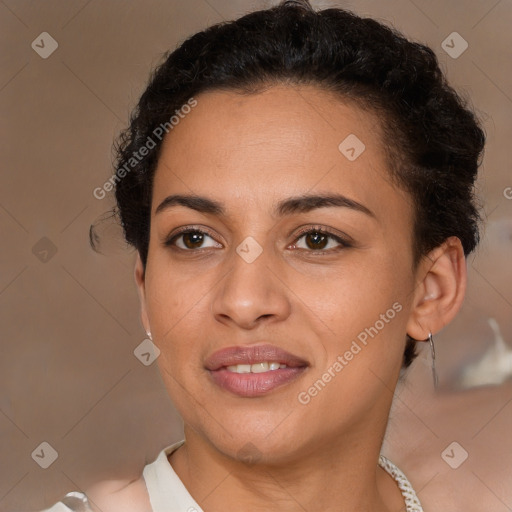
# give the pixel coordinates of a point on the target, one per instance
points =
(299, 188)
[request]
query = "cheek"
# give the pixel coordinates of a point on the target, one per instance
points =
(361, 315)
(173, 296)
(177, 311)
(354, 292)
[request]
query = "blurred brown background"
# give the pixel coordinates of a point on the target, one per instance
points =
(69, 316)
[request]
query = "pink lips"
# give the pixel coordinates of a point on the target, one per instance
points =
(253, 384)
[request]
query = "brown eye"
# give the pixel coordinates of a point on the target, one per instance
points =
(191, 239)
(320, 240)
(315, 240)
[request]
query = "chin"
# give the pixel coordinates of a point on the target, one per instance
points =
(253, 444)
(265, 452)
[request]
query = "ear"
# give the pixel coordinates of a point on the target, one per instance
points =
(141, 289)
(440, 289)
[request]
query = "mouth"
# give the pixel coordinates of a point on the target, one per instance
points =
(251, 371)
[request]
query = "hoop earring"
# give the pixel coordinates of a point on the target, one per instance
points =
(430, 339)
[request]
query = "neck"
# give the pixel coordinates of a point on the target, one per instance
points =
(333, 476)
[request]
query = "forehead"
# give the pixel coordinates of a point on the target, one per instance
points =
(305, 120)
(284, 141)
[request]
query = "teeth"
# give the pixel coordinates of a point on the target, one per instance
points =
(259, 368)
(243, 368)
(256, 368)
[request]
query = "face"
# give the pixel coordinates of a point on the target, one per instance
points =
(324, 286)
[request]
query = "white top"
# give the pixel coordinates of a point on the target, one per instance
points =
(166, 490)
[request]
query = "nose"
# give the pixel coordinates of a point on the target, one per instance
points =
(251, 293)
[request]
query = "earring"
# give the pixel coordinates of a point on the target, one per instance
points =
(433, 356)
(149, 335)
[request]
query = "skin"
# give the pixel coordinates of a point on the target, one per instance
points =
(249, 152)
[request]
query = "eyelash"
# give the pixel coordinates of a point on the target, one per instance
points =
(344, 242)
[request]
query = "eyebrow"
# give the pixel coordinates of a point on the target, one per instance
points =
(297, 204)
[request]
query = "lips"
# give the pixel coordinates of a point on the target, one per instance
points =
(251, 355)
(252, 385)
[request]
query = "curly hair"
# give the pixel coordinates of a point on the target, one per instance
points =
(437, 142)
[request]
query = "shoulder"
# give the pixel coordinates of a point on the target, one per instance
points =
(124, 495)
(119, 496)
